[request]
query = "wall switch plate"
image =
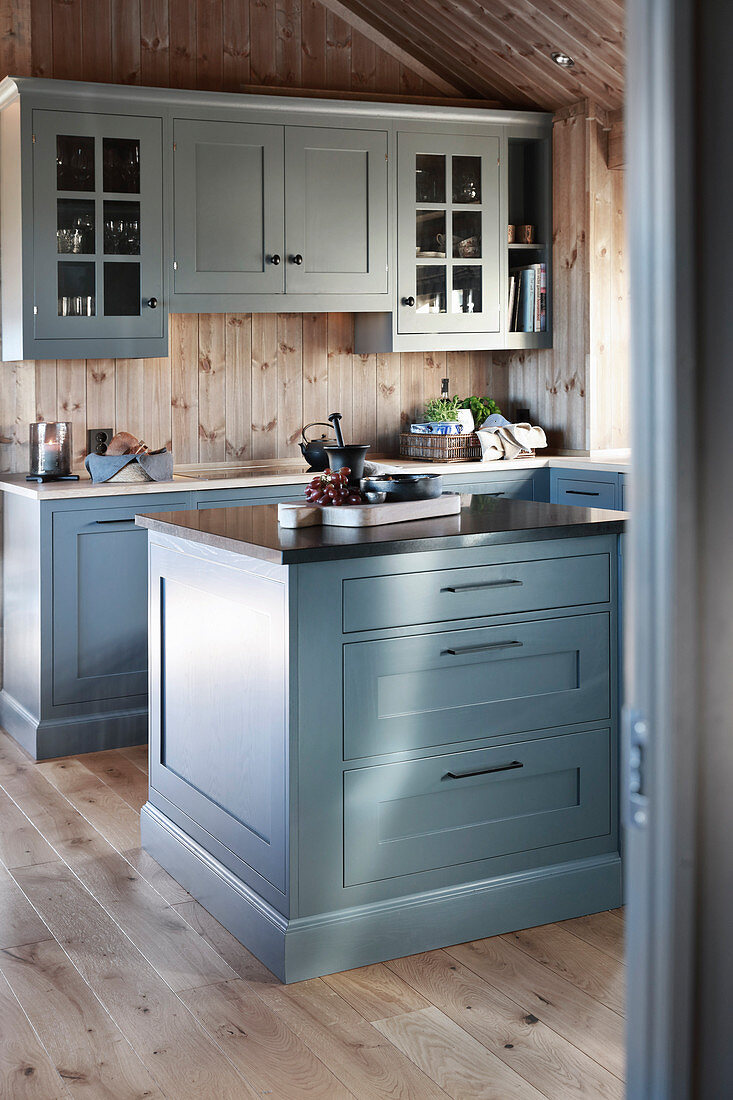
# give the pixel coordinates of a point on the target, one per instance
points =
(98, 440)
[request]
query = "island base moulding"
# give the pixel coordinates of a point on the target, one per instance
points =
(309, 947)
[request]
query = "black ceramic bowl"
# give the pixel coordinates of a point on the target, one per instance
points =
(404, 486)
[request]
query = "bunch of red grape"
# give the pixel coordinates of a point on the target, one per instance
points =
(332, 487)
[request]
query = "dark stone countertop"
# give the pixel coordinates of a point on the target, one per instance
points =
(484, 521)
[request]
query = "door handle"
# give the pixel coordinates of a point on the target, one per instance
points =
(485, 771)
(153, 303)
(482, 586)
(408, 301)
(275, 259)
(297, 259)
(481, 648)
(580, 493)
(103, 521)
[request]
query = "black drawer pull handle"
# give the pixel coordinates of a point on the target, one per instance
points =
(103, 521)
(501, 494)
(485, 771)
(580, 493)
(481, 648)
(480, 587)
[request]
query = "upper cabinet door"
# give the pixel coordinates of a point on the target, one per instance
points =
(228, 208)
(450, 255)
(336, 211)
(98, 235)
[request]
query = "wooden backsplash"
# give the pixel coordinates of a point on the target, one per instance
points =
(238, 385)
(241, 386)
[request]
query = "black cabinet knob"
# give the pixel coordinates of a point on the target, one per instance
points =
(408, 301)
(153, 303)
(275, 259)
(297, 259)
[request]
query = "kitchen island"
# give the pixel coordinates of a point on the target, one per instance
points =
(369, 743)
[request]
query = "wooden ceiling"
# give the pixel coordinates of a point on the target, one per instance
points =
(500, 49)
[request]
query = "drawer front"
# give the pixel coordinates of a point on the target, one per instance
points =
(519, 488)
(224, 499)
(588, 493)
(463, 685)
(421, 815)
(407, 599)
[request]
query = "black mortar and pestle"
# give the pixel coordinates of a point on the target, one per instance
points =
(343, 454)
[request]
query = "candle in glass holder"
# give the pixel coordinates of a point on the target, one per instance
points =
(50, 450)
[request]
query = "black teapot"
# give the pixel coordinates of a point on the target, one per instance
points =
(314, 450)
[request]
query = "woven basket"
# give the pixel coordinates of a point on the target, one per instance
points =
(441, 448)
(133, 471)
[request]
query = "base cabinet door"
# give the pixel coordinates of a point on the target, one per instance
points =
(100, 602)
(228, 201)
(336, 211)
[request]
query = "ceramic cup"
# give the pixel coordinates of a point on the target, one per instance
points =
(469, 248)
(526, 234)
(511, 234)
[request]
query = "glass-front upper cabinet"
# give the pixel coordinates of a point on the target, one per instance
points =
(97, 183)
(449, 250)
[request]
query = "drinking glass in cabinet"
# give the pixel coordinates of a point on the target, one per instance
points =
(121, 165)
(430, 233)
(121, 228)
(429, 178)
(75, 225)
(76, 292)
(430, 289)
(466, 289)
(466, 180)
(122, 289)
(74, 163)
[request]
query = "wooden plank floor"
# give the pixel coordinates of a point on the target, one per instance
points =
(115, 983)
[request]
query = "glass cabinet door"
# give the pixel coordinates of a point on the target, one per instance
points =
(97, 226)
(449, 254)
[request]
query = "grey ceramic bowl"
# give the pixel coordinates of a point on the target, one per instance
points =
(404, 486)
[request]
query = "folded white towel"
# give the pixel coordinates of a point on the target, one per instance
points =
(510, 441)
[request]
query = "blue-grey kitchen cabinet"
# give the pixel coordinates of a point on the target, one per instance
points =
(83, 229)
(75, 621)
(276, 216)
(361, 758)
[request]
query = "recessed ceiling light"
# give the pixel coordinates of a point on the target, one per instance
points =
(562, 59)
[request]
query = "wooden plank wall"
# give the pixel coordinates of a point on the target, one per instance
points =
(234, 385)
(578, 391)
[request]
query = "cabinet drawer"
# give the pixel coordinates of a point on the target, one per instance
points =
(588, 493)
(508, 488)
(407, 599)
(464, 685)
(421, 815)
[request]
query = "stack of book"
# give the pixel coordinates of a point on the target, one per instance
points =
(527, 304)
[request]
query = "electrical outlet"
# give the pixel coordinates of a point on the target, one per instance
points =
(98, 440)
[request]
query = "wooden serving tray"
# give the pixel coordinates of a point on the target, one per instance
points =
(367, 515)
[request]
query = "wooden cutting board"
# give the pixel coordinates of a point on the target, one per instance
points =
(367, 515)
